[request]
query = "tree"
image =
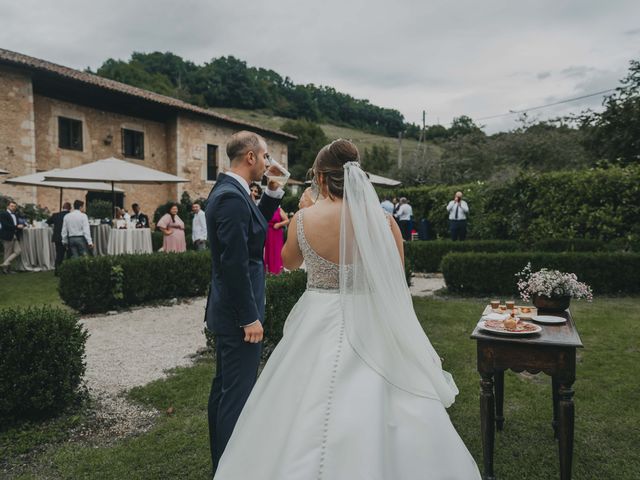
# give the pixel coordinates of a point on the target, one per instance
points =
(614, 134)
(378, 159)
(303, 151)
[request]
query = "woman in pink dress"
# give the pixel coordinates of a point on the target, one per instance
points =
(173, 229)
(275, 241)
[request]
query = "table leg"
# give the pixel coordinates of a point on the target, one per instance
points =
(487, 423)
(499, 389)
(554, 422)
(566, 423)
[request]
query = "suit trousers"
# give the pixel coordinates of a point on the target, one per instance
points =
(61, 253)
(237, 365)
(458, 229)
(12, 250)
(405, 229)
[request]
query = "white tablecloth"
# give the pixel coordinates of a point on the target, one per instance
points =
(38, 252)
(136, 240)
(100, 235)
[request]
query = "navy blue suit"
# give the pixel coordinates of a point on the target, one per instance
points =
(236, 229)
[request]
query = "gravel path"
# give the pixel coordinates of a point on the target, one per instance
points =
(133, 348)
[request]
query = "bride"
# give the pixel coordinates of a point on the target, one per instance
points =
(354, 390)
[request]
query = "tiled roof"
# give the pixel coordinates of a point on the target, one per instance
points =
(32, 63)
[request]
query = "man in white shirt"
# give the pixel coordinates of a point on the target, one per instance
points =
(404, 214)
(387, 206)
(199, 228)
(76, 234)
(458, 212)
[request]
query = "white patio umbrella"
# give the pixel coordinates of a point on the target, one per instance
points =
(383, 181)
(38, 180)
(114, 171)
(3, 172)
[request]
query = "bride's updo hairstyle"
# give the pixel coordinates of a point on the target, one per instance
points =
(330, 162)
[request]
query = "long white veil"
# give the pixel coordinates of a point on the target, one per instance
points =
(380, 322)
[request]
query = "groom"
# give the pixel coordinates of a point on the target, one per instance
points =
(237, 229)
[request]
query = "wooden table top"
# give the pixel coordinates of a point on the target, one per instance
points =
(563, 335)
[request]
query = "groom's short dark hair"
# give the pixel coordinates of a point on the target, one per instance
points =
(241, 143)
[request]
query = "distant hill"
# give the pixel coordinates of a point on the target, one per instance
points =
(229, 82)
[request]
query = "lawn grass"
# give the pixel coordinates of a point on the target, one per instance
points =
(29, 289)
(607, 418)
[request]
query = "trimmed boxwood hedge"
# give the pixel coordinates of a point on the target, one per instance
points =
(569, 245)
(99, 284)
(282, 292)
(41, 362)
(494, 273)
(426, 256)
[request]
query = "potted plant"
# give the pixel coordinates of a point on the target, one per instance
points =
(551, 290)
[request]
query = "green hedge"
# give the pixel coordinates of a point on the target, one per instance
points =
(426, 256)
(601, 204)
(41, 362)
(494, 273)
(569, 245)
(99, 284)
(282, 293)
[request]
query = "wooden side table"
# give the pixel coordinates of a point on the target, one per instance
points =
(552, 351)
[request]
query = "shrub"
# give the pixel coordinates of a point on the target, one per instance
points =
(282, 293)
(426, 256)
(99, 284)
(99, 209)
(494, 273)
(41, 362)
(569, 245)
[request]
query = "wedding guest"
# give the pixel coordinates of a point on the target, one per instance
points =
(139, 218)
(76, 235)
(125, 215)
(256, 192)
(275, 242)
(119, 221)
(56, 220)
(11, 234)
(306, 199)
(404, 214)
(173, 228)
(199, 228)
(458, 212)
(387, 206)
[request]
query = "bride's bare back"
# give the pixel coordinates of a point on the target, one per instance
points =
(322, 232)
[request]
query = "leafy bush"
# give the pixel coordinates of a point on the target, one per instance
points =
(41, 362)
(600, 204)
(99, 284)
(282, 293)
(494, 273)
(99, 209)
(426, 256)
(569, 245)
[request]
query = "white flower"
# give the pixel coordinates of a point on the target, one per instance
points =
(552, 284)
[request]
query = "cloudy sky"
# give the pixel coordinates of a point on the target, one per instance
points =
(451, 58)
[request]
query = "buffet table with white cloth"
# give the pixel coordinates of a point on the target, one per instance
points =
(38, 251)
(100, 235)
(130, 240)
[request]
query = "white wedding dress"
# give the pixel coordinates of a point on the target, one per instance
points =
(320, 411)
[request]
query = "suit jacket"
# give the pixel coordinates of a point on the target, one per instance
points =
(7, 229)
(237, 230)
(139, 217)
(56, 220)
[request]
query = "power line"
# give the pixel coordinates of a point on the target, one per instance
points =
(513, 112)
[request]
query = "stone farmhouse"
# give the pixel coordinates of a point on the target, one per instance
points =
(57, 117)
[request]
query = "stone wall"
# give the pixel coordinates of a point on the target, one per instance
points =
(17, 136)
(193, 136)
(102, 138)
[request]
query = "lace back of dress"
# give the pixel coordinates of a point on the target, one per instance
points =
(321, 273)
